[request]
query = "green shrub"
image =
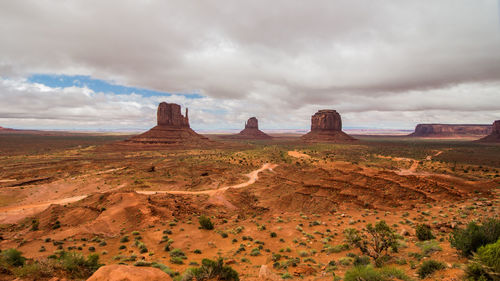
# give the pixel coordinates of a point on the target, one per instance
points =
(368, 273)
(485, 264)
(177, 260)
(211, 270)
(373, 241)
(428, 247)
(205, 223)
(177, 253)
(428, 267)
(424, 232)
(468, 240)
(13, 257)
(76, 264)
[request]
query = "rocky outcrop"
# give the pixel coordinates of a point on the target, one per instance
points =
(326, 125)
(172, 128)
(495, 133)
(118, 272)
(251, 131)
(451, 130)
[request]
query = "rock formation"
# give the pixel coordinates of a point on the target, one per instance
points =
(172, 128)
(451, 130)
(252, 131)
(495, 133)
(326, 125)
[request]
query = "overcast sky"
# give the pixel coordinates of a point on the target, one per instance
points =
(381, 64)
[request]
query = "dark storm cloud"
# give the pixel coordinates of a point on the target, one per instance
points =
(276, 58)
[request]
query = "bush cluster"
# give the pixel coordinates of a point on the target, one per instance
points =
(469, 239)
(205, 223)
(211, 270)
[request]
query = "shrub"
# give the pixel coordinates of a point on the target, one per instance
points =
(205, 223)
(429, 247)
(124, 239)
(428, 267)
(468, 240)
(424, 232)
(13, 257)
(485, 264)
(374, 241)
(368, 273)
(178, 253)
(76, 264)
(273, 234)
(211, 270)
(176, 260)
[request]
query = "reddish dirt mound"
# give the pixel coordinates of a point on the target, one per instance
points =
(117, 272)
(321, 190)
(109, 213)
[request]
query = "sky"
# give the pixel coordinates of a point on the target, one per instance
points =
(105, 65)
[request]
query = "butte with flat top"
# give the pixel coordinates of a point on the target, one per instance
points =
(326, 126)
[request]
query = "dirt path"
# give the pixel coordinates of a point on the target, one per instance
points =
(12, 214)
(297, 154)
(413, 168)
(252, 178)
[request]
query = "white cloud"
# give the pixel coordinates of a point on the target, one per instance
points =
(384, 63)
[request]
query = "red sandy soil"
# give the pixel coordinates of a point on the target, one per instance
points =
(104, 193)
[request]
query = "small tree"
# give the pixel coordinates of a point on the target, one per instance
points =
(373, 241)
(424, 232)
(206, 223)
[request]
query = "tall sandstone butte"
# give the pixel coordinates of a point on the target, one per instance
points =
(451, 130)
(326, 125)
(495, 133)
(172, 128)
(252, 131)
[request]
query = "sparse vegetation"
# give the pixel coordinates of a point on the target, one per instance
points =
(428, 267)
(374, 241)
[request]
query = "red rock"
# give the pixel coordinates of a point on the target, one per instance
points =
(451, 130)
(118, 272)
(326, 125)
(495, 133)
(172, 128)
(251, 131)
(303, 270)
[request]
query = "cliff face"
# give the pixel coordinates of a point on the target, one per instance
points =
(495, 133)
(326, 120)
(451, 130)
(169, 114)
(326, 125)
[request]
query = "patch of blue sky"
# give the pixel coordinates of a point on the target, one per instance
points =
(98, 85)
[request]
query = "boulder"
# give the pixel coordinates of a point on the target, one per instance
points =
(117, 272)
(266, 274)
(326, 125)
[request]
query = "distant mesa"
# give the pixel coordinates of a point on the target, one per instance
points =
(451, 130)
(495, 133)
(326, 125)
(252, 131)
(172, 128)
